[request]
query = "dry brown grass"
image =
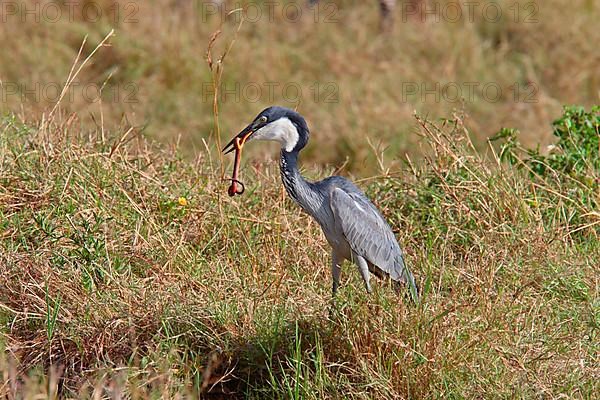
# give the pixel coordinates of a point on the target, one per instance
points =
(233, 296)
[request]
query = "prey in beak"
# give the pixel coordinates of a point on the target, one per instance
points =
(236, 144)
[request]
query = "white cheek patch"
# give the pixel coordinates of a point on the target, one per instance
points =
(282, 131)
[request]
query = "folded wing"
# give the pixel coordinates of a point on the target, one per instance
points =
(368, 234)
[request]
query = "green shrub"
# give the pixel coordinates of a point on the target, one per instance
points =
(576, 153)
(568, 176)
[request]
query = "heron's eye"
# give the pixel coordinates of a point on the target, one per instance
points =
(262, 119)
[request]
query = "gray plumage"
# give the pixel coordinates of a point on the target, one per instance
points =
(353, 226)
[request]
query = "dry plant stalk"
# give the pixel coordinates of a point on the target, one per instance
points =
(73, 73)
(216, 68)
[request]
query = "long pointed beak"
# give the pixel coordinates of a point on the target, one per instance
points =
(238, 141)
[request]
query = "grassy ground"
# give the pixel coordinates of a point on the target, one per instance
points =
(127, 270)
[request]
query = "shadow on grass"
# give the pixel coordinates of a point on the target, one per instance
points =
(288, 360)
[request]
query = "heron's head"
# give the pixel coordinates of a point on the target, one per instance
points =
(274, 123)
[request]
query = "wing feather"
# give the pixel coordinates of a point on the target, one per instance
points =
(368, 233)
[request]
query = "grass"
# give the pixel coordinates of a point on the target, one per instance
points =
(126, 270)
(114, 286)
(154, 72)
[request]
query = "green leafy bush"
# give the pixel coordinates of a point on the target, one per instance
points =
(576, 154)
(568, 176)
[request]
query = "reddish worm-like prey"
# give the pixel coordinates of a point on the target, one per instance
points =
(233, 188)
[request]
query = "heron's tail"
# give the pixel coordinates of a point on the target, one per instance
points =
(403, 275)
(412, 286)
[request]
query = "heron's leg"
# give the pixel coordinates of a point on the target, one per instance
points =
(336, 268)
(363, 268)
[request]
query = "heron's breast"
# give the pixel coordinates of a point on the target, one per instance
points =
(337, 240)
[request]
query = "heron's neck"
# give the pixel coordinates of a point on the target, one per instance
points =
(305, 193)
